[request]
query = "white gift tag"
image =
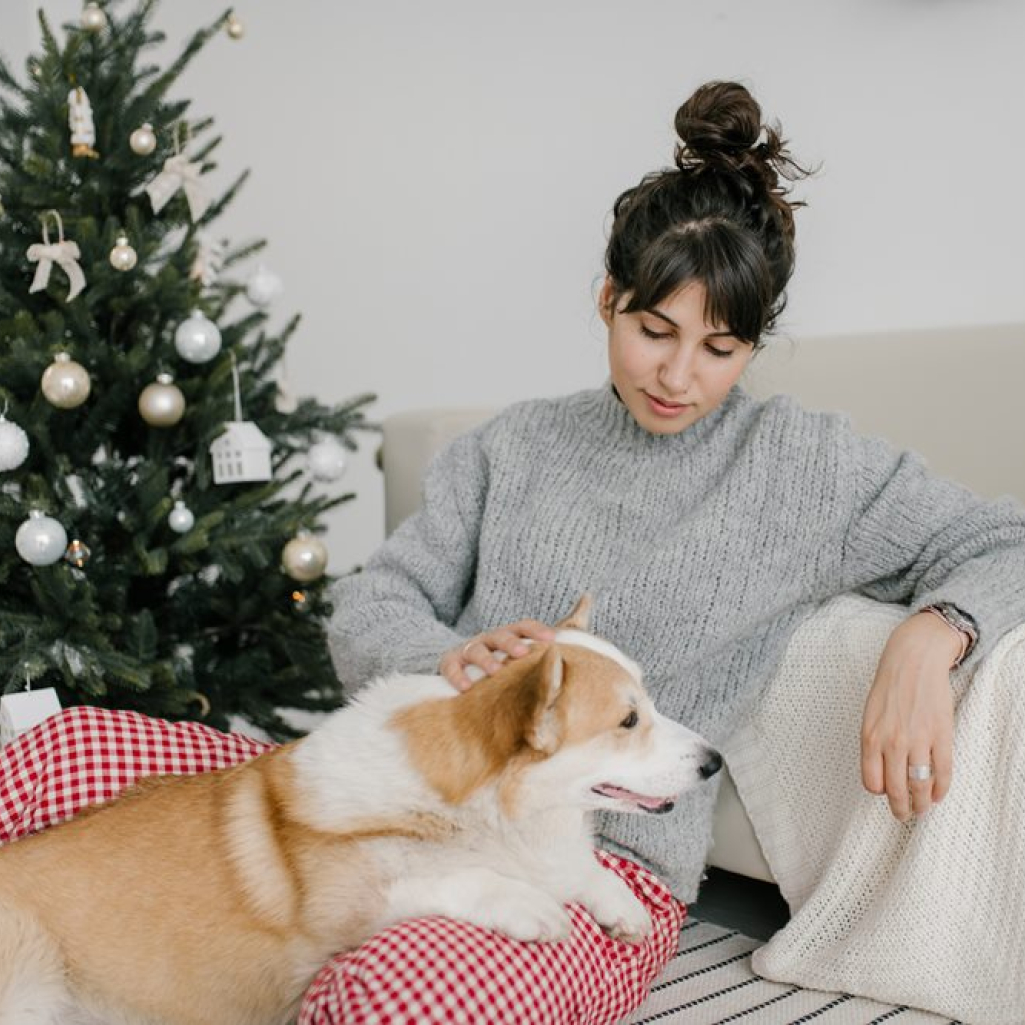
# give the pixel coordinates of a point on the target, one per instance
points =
(23, 710)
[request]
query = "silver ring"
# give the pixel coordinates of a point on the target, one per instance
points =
(463, 649)
(920, 772)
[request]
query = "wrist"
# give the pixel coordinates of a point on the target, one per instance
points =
(960, 629)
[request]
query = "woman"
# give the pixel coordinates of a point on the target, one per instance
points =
(705, 523)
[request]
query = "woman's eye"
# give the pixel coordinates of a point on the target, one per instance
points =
(648, 333)
(630, 721)
(720, 353)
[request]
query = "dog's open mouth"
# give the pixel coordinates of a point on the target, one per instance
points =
(655, 805)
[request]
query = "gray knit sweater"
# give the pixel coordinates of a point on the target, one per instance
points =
(703, 551)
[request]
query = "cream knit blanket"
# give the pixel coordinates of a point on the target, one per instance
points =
(930, 913)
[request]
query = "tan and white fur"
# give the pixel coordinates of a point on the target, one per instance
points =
(217, 898)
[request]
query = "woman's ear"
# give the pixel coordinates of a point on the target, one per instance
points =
(607, 300)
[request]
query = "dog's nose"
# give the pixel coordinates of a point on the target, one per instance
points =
(711, 765)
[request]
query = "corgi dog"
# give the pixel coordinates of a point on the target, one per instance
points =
(217, 898)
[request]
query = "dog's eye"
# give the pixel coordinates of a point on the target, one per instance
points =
(630, 721)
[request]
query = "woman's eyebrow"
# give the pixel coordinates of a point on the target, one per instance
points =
(669, 320)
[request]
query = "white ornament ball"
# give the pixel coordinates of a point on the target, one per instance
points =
(304, 558)
(181, 519)
(41, 540)
(13, 445)
(326, 459)
(123, 257)
(93, 19)
(162, 404)
(143, 140)
(235, 28)
(65, 383)
(263, 287)
(197, 339)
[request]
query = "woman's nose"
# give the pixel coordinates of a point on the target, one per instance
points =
(677, 372)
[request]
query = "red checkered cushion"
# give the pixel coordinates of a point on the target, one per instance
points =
(418, 972)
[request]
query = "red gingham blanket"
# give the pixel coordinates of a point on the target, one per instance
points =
(423, 971)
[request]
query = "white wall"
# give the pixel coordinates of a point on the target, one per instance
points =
(434, 178)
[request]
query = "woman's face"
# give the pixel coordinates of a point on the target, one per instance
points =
(668, 364)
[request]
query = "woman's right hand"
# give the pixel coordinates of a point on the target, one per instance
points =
(480, 650)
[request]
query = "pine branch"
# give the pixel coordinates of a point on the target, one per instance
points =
(159, 88)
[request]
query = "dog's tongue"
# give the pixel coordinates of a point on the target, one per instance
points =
(622, 794)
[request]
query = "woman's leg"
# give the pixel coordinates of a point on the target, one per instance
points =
(88, 755)
(436, 970)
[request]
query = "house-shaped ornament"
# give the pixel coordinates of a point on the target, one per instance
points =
(241, 454)
(23, 710)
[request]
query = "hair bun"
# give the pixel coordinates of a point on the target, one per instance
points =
(719, 123)
(721, 129)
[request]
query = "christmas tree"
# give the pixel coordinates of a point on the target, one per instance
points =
(158, 501)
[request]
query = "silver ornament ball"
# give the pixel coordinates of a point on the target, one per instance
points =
(123, 257)
(93, 19)
(162, 404)
(326, 459)
(304, 558)
(197, 339)
(41, 540)
(181, 519)
(143, 140)
(65, 383)
(263, 287)
(13, 445)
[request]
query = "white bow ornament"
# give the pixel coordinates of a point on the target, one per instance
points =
(179, 173)
(65, 254)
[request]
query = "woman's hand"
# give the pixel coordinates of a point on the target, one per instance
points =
(481, 649)
(909, 716)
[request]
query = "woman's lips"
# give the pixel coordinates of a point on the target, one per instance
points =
(661, 407)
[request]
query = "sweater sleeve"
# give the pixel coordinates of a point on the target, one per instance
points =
(918, 539)
(397, 614)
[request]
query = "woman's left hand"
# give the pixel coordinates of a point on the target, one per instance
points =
(909, 716)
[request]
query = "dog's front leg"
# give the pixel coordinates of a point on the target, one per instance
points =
(611, 903)
(483, 897)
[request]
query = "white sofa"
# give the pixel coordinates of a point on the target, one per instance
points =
(954, 395)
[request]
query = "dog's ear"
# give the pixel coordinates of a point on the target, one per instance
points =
(543, 731)
(580, 617)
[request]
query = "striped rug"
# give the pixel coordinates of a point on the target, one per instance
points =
(710, 982)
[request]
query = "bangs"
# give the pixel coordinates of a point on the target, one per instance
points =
(725, 259)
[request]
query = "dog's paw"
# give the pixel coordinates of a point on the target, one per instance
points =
(613, 905)
(534, 918)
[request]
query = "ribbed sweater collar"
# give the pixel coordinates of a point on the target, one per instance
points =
(605, 412)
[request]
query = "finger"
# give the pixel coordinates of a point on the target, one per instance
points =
(872, 767)
(512, 644)
(535, 630)
(943, 769)
(451, 668)
(897, 791)
(920, 789)
(478, 653)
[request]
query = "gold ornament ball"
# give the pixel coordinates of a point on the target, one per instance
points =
(162, 404)
(143, 140)
(77, 554)
(235, 28)
(123, 256)
(93, 19)
(65, 383)
(304, 558)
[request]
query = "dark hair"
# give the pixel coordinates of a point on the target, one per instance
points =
(719, 217)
